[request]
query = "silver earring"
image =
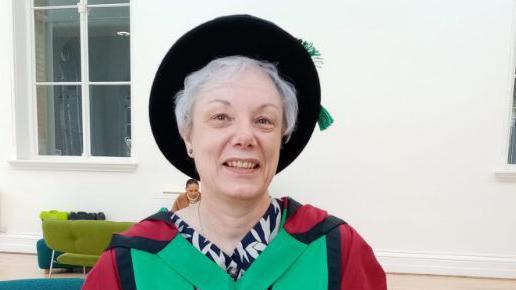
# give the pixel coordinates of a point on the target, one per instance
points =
(190, 151)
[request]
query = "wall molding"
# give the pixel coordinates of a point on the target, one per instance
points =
(393, 261)
(19, 243)
(506, 174)
(453, 264)
(73, 165)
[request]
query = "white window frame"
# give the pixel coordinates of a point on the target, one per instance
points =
(25, 101)
(507, 172)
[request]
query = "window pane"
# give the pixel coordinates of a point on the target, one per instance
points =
(107, 1)
(59, 120)
(512, 144)
(110, 120)
(55, 2)
(108, 40)
(58, 53)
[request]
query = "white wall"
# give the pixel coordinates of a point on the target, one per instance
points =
(420, 91)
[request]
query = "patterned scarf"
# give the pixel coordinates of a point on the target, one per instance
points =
(247, 250)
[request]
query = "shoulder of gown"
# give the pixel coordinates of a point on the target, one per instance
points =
(353, 259)
(152, 234)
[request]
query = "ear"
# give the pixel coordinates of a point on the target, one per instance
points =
(187, 138)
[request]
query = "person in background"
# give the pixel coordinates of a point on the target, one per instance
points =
(190, 196)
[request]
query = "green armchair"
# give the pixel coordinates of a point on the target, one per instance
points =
(81, 241)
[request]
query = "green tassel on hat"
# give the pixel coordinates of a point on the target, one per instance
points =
(313, 52)
(325, 119)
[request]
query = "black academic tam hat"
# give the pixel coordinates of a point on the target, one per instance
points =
(242, 35)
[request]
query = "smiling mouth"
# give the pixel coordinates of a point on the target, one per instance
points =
(241, 164)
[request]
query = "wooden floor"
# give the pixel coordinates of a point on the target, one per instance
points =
(19, 266)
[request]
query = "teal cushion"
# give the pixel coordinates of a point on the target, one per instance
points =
(45, 254)
(43, 284)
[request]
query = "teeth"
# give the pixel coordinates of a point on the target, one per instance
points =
(241, 164)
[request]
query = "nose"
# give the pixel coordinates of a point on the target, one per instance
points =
(243, 136)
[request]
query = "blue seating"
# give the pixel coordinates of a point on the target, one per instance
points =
(45, 254)
(43, 284)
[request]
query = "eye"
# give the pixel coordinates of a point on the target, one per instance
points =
(264, 121)
(220, 117)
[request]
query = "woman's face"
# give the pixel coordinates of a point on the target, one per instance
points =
(192, 188)
(236, 135)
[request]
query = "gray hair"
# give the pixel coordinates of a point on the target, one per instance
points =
(223, 69)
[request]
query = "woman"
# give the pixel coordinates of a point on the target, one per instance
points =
(247, 98)
(190, 196)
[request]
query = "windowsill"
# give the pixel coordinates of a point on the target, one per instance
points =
(101, 164)
(507, 174)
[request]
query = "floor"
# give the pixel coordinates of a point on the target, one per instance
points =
(18, 266)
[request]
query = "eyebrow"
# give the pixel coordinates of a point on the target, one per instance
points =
(269, 105)
(226, 103)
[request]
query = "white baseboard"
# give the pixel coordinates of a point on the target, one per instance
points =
(471, 265)
(393, 261)
(17, 243)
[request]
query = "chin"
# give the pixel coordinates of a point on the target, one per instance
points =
(244, 192)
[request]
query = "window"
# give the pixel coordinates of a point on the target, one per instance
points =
(81, 77)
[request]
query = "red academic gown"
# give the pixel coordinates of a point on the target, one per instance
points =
(357, 265)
